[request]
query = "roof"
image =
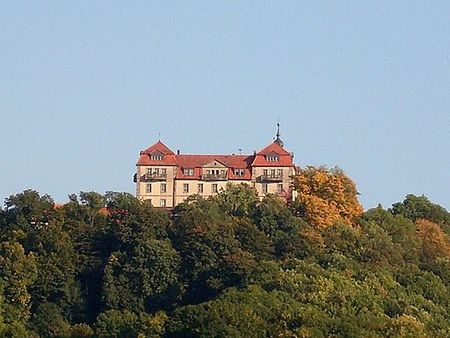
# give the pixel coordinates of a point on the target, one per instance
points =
(196, 162)
(159, 147)
(273, 147)
(285, 157)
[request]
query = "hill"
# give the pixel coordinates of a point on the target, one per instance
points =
(233, 265)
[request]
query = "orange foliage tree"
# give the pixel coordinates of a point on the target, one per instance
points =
(325, 196)
(435, 243)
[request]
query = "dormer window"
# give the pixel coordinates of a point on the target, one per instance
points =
(272, 158)
(239, 172)
(157, 156)
(188, 172)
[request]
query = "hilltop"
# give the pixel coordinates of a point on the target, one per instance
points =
(232, 265)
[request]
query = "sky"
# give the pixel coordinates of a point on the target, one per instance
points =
(362, 85)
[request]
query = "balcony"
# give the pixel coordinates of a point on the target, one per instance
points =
(214, 177)
(151, 177)
(271, 178)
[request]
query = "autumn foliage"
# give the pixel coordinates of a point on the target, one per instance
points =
(435, 242)
(326, 196)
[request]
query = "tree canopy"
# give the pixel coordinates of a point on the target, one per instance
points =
(325, 196)
(233, 265)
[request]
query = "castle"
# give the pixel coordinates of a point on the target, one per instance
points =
(167, 179)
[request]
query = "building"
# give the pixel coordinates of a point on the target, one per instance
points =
(167, 179)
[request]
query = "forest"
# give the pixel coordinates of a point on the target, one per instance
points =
(233, 265)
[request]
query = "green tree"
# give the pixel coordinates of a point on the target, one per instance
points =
(27, 211)
(417, 207)
(126, 324)
(85, 222)
(252, 312)
(36, 223)
(49, 322)
(131, 221)
(17, 272)
(238, 199)
(401, 230)
(212, 257)
(146, 278)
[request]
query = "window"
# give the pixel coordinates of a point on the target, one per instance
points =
(163, 187)
(239, 172)
(186, 188)
(280, 188)
(265, 172)
(200, 188)
(156, 172)
(162, 202)
(214, 188)
(157, 157)
(188, 172)
(265, 188)
(148, 188)
(272, 158)
(272, 172)
(279, 172)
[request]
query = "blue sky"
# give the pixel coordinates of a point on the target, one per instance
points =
(84, 86)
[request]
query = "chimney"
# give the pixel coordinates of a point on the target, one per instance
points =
(178, 151)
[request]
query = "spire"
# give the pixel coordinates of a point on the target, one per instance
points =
(278, 140)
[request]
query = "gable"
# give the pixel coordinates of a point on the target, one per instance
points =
(275, 148)
(214, 164)
(158, 146)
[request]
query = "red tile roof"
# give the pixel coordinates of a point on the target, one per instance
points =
(232, 162)
(275, 148)
(146, 159)
(159, 146)
(285, 157)
(196, 162)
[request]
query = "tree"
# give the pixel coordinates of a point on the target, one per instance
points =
(435, 243)
(127, 324)
(252, 312)
(35, 222)
(238, 200)
(131, 221)
(272, 215)
(212, 257)
(325, 196)
(401, 230)
(85, 221)
(253, 240)
(118, 324)
(25, 212)
(17, 272)
(144, 279)
(49, 322)
(420, 207)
